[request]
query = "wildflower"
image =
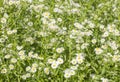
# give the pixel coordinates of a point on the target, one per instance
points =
(98, 51)
(78, 25)
(19, 47)
(60, 50)
(46, 70)
(11, 67)
(33, 70)
(94, 41)
(7, 56)
(13, 60)
(104, 80)
(54, 65)
(74, 61)
(3, 20)
(4, 70)
(28, 68)
(60, 61)
(46, 14)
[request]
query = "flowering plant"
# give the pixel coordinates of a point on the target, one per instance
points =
(60, 41)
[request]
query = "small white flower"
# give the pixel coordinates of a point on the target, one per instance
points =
(91, 25)
(59, 19)
(54, 65)
(78, 25)
(105, 34)
(35, 65)
(74, 61)
(72, 72)
(50, 61)
(4, 70)
(67, 75)
(94, 41)
(22, 52)
(84, 45)
(60, 50)
(30, 23)
(60, 61)
(33, 70)
(3, 20)
(22, 57)
(98, 51)
(116, 58)
(74, 67)
(104, 80)
(6, 15)
(19, 47)
(11, 67)
(13, 60)
(28, 68)
(24, 77)
(28, 75)
(46, 70)
(46, 14)
(7, 56)
(102, 40)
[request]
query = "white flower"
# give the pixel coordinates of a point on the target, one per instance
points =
(105, 34)
(4, 70)
(28, 68)
(59, 19)
(78, 25)
(116, 32)
(116, 58)
(35, 65)
(22, 52)
(74, 61)
(7, 56)
(113, 45)
(30, 23)
(72, 72)
(9, 32)
(102, 40)
(46, 14)
(101, 26)
(54, 65)
(13, 60)
(60, 50)
(11, 67)
(28, 75)
(67, 75)
(98, 50)
(50, 61)
(84, 45)
(53, 27)
(19, 47)
(80, 58)
(3, 20)
(60, 61)
(6, 15)
(104, 80)
(94, 41)
(33, 70)
(24, 77)
(91, 25)
(46, 70)
(22, 57)
(74, 67)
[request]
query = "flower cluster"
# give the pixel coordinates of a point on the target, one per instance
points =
(60, 41)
